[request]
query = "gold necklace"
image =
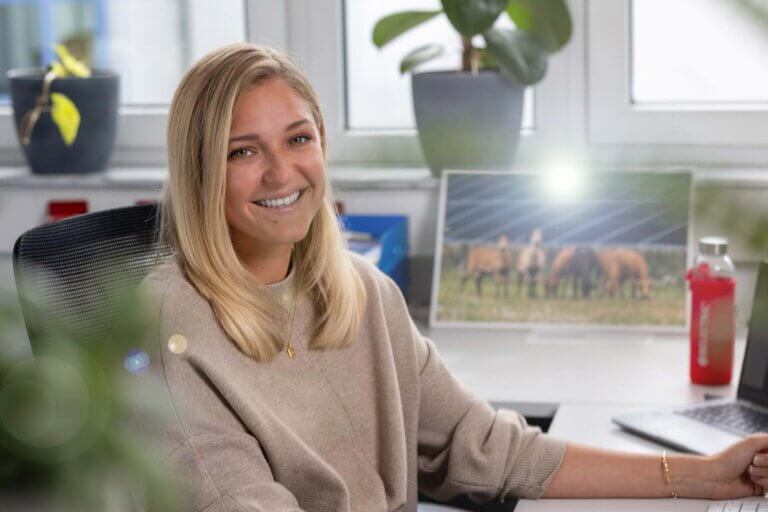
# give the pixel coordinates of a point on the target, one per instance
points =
(289, 349)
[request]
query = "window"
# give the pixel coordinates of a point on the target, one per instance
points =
(718, 60)
(687, 78)
(150, 43)
(372, 71)
(332, 40)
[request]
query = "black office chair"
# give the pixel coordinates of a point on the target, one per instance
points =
(68, 269)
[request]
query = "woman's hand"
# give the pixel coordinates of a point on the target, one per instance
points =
(740, 470)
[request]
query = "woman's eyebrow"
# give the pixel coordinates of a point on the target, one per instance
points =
(296, 123)
(254, 136)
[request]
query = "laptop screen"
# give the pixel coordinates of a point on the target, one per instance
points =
(753, 385)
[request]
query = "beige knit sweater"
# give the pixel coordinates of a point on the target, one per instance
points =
(355, 429)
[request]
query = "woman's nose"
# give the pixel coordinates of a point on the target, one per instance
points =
(279, 169)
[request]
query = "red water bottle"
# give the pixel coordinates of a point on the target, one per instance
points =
(713, 329)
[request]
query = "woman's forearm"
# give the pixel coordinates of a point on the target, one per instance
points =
(593, 473)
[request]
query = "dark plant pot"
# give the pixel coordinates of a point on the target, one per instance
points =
(467, 121)
(97, 98)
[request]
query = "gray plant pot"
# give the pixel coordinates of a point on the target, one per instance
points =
(97, 98)
(467, 121)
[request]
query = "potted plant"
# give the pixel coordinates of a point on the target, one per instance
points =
(66, 115)
(471, 118)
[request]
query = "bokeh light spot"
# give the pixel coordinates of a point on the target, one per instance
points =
(136, 361)
(177, 344)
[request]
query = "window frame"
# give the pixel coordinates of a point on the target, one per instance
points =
(701, 134)
(141, 129)
(317, 38)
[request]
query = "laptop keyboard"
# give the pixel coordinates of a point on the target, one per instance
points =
(733, 416)
(739, 506)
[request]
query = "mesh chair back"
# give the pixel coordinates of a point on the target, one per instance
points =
(71, 268)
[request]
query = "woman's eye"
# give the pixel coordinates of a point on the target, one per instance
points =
(240, 153)
(300, 139)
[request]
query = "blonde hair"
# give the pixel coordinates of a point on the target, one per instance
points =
(194, 222)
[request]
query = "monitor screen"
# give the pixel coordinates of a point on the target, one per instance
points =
(755, 368)
(606, 248)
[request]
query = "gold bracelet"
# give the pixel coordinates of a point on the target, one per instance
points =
(665, 469)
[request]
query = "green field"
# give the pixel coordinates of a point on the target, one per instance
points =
(665, 307)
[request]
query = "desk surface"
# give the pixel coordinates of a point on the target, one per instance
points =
(591, 425)
(596, 368)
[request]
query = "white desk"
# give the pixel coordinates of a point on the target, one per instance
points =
(580, 368)
(591, 425)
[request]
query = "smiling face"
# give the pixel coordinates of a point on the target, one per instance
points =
(275, 169)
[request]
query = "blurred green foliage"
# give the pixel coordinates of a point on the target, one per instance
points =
(72, 417)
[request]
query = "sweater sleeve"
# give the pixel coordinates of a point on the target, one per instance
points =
(228, 473)
(464, 446)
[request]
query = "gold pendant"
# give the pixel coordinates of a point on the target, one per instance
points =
(291, 352)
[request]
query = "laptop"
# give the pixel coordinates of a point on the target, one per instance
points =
(710, 427)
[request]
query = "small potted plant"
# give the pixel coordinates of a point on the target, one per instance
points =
(66, 115)
(471, 118)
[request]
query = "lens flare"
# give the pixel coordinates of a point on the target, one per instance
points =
(563, 182)
(136, 361)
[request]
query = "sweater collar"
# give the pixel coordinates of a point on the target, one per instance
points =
(283, 292)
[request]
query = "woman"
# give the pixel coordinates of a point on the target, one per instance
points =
(296, 377)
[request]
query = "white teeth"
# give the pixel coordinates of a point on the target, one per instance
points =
(283, 201)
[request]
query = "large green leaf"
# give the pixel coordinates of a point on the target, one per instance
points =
(548, 20)
(420, 55)
(518, 54)
(389, 27)
(472, 17)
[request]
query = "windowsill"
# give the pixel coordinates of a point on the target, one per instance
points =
(139, 177)
(344, 178)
